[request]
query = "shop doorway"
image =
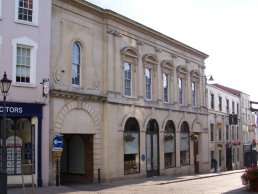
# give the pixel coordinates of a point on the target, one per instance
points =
(77, 159)
(152, 148)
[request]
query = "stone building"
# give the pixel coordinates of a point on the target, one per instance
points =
(229, 118)
(25, 57)
(128, 100)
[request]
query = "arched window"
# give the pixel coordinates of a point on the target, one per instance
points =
(195, 82)
(130, 79)
(182, 78)
(167, 74)
(131, 147)
(184, 144)
(170, 145)
(150, 68)
(76, 63)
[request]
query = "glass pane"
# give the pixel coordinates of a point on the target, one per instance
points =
(184, 141)
(155, 151)
(132, 147)
(148, 151)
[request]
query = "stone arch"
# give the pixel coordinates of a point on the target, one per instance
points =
(180, 123)
(167, 64)
(182, 69)
(130, 52)
(150, 58)
(126, 117)
(197, 126)
(75, 105)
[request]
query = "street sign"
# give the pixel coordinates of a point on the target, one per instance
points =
(57, 149)
(57, 153)
(58, 141)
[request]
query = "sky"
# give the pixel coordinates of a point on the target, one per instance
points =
(226, 30)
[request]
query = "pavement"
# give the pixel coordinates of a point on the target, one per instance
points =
(98, 188)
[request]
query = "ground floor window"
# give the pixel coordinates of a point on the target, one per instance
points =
(20, 144)
(131, 147)
(169, 145)
(184, 145)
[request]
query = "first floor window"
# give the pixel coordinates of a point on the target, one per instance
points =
(76, 63)
(211, 132)
(169, 145)
(227, 132)
(193, 94)
(24, 61)
(127, 79)
(165, 87)
(180, 91)
(23, 64)
(25, 10)
(148, 83)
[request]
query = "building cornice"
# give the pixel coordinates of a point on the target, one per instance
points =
(77, 95)
(106, 15)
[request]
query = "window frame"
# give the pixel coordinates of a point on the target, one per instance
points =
(212, 101)
(33, 60)
(180, 91)
(165, 87)
(170, 131)
(76, 43)
(184, 129)
(150, 62)
(127, 79)
(220, 103)
(130, 55)
(227, 106)
(136, 131)
(193, 92)
(148, 90)
(168, 69)
(212, 132)
(35, 12)
(182, 76)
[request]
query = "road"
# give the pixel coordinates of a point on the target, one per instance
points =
(227, 184)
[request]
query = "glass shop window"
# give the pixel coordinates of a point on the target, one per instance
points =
(169, 145)
(20, 144)
(131, 147)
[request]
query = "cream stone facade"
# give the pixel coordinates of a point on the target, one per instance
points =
(128, 101)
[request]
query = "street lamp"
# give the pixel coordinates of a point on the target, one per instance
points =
(5, 84)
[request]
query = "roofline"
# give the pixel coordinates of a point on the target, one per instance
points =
(107, 13)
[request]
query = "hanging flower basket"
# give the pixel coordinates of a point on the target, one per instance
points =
(128, 137)
(220, 145)
(229, 145)
(168, 137)
(194, 137)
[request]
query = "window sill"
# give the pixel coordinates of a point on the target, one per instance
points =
(24, 85)
(26, 23)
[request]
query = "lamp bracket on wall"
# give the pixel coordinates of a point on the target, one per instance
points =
(45, 87)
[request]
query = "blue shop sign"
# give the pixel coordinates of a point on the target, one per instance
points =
(22, 109)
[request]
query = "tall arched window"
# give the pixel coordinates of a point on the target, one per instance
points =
(76, 63)
(170, 145)
(184, 144)
(131, 147)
